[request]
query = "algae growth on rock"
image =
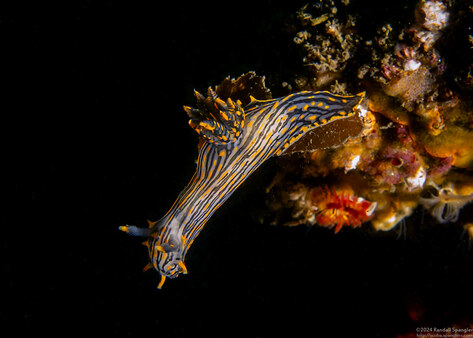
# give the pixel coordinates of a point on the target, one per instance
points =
(418, 136)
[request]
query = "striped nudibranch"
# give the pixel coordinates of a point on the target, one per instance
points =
(236, 141)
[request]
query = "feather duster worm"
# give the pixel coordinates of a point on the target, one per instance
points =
(447, 201)
(236, 138)
(340, 208)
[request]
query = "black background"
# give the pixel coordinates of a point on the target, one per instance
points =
(94, 137)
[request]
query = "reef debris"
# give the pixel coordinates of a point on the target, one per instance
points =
(417, 121)
(328, 42)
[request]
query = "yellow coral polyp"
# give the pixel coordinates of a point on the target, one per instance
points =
(392, 209)
(387, 220)
(453, 141)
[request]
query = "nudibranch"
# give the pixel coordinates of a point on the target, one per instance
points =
(235, 141)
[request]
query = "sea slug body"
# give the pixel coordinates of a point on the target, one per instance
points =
(235, 141)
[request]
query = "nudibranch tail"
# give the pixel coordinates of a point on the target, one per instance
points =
(236, 141)
(304, 111)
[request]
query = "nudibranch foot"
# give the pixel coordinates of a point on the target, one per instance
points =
(235, 141)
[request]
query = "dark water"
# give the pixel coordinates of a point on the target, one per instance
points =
(94, 136)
